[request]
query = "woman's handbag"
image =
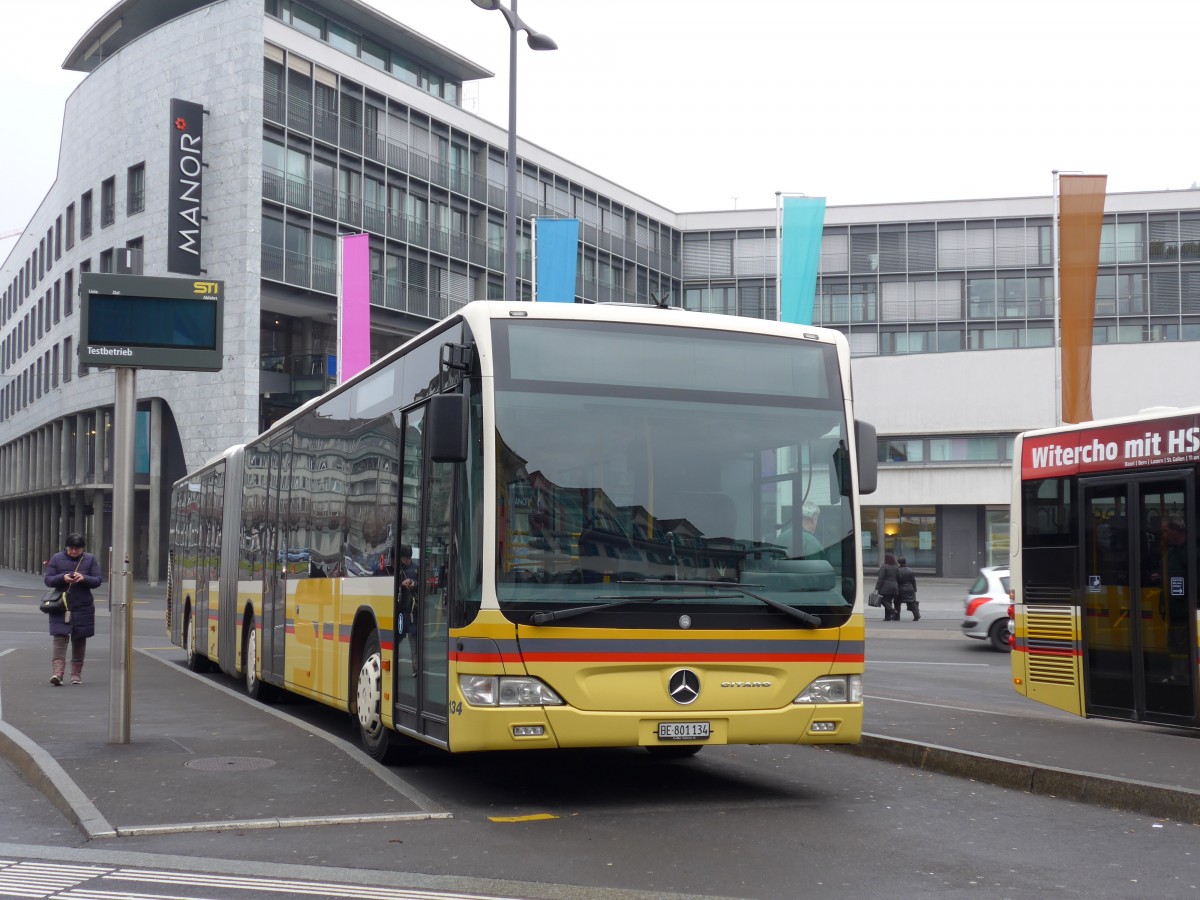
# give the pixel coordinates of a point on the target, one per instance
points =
(874, 599)
(54, 601)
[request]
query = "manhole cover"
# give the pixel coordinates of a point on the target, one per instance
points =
(229, 763)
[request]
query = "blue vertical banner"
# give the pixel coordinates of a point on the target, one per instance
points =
(799, 253)
(555, 251)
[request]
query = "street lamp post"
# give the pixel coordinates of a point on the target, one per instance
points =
(535, 41)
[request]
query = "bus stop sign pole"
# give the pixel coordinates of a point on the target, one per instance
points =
(120, 594)
(132, 322)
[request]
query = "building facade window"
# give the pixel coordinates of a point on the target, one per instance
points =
(135, 190)
(85, 215)
(108, 201)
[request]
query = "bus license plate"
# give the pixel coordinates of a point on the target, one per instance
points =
(682, 731)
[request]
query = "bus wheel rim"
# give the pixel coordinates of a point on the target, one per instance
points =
(369, 694)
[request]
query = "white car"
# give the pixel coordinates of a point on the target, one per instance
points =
(987, 608)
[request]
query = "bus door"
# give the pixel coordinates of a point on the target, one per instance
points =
(421, 658)
(276, 560)
(1139, 598)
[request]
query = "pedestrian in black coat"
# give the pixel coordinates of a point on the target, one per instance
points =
(908, 590)
(76, 572)
(887, 583)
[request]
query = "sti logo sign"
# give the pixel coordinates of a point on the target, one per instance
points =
(186, 173)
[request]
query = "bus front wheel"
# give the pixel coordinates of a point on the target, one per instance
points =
(375, 737)
(256, 689)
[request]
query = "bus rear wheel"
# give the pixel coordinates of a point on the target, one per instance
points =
(195, 662)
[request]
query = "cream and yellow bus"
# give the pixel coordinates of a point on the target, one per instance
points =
(548, 525)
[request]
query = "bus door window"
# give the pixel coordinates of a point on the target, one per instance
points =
(406, 662)
(1139, 598)
(1108, 629)
(425, 527)
(1168, 590)
(434, 616)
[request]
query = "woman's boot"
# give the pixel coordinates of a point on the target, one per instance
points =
(916, 611)
(77, 672)
(57, 666)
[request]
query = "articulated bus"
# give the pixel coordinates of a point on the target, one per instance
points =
(1104, 567)
(548, 525)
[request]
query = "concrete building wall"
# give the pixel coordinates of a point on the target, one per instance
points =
(118, 117)
(1004, 392)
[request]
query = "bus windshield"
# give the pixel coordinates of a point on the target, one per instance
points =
(666, 465)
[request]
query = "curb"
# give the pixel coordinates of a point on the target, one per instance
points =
(1175, 803)
(44, 773)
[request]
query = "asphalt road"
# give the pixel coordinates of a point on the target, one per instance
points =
(751, 822)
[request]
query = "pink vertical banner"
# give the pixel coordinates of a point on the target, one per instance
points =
(354, 307)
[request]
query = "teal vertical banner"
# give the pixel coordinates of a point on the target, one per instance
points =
(799, 255)
(556, 249)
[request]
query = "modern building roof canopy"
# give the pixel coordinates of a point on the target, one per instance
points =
(130, 19)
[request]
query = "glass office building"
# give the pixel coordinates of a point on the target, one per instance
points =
(326, 118)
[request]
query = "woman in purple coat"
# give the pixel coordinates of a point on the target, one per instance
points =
(75, 572)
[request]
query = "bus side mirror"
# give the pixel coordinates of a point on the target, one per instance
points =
(446, 432)
(867, 447)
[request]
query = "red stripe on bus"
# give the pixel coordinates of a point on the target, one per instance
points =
(661, 657)
(1026, 650)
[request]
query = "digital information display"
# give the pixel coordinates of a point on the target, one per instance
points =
(145, 322)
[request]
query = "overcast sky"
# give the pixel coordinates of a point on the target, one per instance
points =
(699, 104)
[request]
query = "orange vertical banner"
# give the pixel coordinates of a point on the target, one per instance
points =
(1080, 215)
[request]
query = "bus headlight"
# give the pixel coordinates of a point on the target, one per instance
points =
(833, 689)
(506, 690)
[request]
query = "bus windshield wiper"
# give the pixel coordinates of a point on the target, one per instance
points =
(807, 618)
(542, 618)
(738, 590)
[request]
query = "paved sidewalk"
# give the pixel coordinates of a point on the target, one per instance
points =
(202, 756)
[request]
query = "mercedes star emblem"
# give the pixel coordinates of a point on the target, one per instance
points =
(684, 687)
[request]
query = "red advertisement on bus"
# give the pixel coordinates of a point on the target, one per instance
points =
(1112, 448)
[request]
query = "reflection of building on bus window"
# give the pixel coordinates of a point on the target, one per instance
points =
(1174, 605)
(1171, 561)
(1175, 548)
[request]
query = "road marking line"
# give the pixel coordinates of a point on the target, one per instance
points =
(258, 824)
(321, 888)
(536, 817)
